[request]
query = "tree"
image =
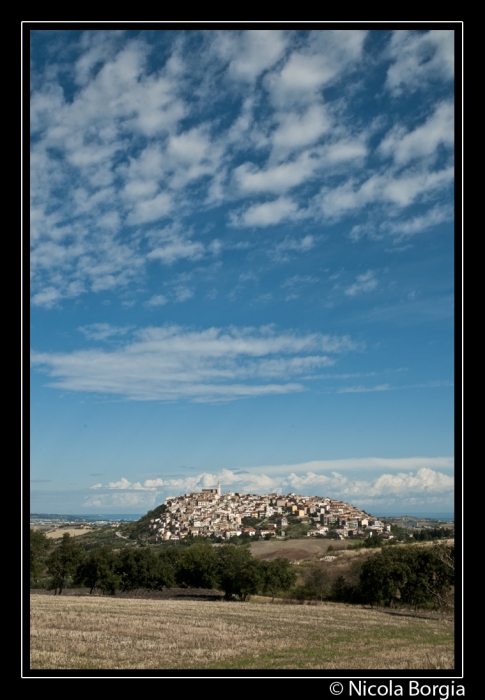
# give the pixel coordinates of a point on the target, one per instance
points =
(238, 573)
(136, 568)
(409, 575)
(441, 581)
(63, 562)
(384, 577)
(277, 575)
(345, 587)
(96, 570)
(38, 547)
(142, 568)
(316, 581)
(197, 567)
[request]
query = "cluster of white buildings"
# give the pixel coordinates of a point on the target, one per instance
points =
(210, 513)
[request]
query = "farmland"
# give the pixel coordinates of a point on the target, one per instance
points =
(114, 633)
(294, 549)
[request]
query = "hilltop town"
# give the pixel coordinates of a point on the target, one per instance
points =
(210, 513)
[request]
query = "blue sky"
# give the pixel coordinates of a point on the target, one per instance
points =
(242, 251)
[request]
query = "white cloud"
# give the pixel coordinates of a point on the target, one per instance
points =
(345, 150)
(402, 230)
(177, 250)
(182, 293)
(328, 54)
(102, 331)
(363, 389)
(131, 499)
(405, 145)
(157, 300)
(419, 58)
(47, 297)
(172, 243)
(361, 464)
(94, 502)
(122, 484)
(399, 190)
(131, 144)
(296, 130)
(299, 279)
(172, 363)
(276, 179)
(249, 52)
(99, 46)
(365, 283)
(148, 210)
(284, 250)
(267, 214)
(423, 482)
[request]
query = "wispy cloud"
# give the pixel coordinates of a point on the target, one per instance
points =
(361, 389)
(102, 331)
(172, 363)
(157, 300)
(286, 249)
(364, 283)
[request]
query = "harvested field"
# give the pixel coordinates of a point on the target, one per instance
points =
(60, 531)
(194, 593)
(294, 549)
(116, 633)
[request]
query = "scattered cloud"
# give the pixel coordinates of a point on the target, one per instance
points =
(157, 300)
(132, 142)
(405, 145)
(267, 214)
(250, 52)
(365, 283)
(419, 58)
(326, 56)
(283, 251)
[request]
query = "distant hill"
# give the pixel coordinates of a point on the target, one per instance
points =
(140, 529)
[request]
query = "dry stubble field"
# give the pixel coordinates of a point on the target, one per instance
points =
(106, 633)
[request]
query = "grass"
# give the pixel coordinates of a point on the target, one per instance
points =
(110, 633)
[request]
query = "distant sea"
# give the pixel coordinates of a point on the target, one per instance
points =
(136, 516)
(419, 514)
(94, 516)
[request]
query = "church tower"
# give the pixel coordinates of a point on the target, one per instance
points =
(218, 488)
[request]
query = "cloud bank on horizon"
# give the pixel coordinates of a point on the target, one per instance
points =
(256, 223)
(422, 486)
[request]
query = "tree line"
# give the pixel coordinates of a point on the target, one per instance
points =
(410, 576)
(230, 569)
(393, 576)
